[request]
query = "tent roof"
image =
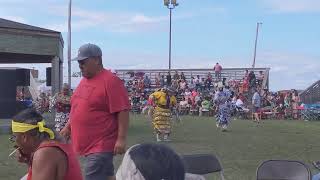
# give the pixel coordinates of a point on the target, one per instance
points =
(4, 23)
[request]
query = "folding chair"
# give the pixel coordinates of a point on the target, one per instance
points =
(202, 164)
(283, 170)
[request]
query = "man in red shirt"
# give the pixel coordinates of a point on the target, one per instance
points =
(99, 116)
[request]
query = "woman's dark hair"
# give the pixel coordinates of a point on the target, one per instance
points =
(31, 116)
(157, 162)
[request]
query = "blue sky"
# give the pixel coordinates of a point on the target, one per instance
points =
(134, 34)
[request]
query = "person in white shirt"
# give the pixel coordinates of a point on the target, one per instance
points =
(182, 84)
(239, 103)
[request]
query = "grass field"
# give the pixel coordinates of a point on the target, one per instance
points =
(241, 149)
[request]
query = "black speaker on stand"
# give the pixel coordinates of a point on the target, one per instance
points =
(48, 76)
(23, 77)
(7, 93)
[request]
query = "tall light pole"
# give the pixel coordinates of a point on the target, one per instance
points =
(171, 4)
(255, 45)
(69, 44)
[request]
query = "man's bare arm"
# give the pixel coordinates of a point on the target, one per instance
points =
(123, 122)
(49, 164)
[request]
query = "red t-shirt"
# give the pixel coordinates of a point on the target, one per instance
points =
(74, 170)
(94, 104)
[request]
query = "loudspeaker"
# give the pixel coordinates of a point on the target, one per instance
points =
(23, 77)
(48, 76)
(7, 93)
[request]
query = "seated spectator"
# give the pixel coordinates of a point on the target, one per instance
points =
(187, 94)
(182, 76)
(175, 85)
(152, 162)
(197, 82)
(208, 82)
(252, 79)
(140, 86)
(224, 81)
(194, 93)
(242, 97)
(219, 84)
(202, 84)
(205, 106)
(144, 105)
(184, 103)
(197, 99)
(245, 85)
(182, 85)
(295, 104)
(193, 108)
(184, 106)
(147, 82)
(234, 100)
(260, 78)
(246, 74)
(169, 79)
(239, 104)
(176, 76)
(162, 81)
(192, 85)
(157, 80)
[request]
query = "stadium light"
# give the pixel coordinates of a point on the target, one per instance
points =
(255, 45)
(69, 43)
(171, 4)
(166, 2)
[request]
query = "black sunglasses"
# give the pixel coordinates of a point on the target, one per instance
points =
(13, 138)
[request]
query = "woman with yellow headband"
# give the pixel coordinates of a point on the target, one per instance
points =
(48, 157)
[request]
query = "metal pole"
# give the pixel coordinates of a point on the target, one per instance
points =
(255, 46)
(69, 44)
(170, 39)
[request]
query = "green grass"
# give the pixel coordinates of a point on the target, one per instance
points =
(240, 150)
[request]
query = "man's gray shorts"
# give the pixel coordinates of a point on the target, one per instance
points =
(99, 166)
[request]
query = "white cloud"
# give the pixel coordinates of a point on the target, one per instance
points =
(119, 21)
(293, 6)
(109, 21)
(290, 69)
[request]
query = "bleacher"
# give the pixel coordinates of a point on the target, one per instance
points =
(228, 73)
(312, 94)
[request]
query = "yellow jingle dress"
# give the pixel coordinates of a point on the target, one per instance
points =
(162, 112)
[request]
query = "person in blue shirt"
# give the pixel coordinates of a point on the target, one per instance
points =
(256, 103)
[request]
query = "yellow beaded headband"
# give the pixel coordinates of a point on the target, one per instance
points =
(23, 127)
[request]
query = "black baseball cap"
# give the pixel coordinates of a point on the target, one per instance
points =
(88, 50)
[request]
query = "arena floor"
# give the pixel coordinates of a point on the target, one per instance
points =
(241, 149)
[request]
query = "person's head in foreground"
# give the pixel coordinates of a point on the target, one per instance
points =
(90, 60)
(41, 149)
(29, 130)
(151, 162)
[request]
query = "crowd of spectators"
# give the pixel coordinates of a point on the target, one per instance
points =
(196, 94)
